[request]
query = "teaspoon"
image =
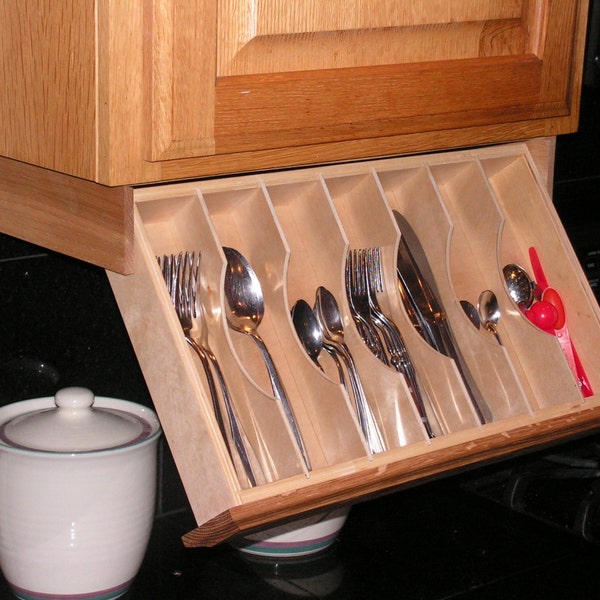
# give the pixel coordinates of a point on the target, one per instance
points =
(471, 313)
(310, 334)
(330, 319)
(489, 312)
(308, 330)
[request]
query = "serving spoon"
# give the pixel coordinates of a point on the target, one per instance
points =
(245, 309)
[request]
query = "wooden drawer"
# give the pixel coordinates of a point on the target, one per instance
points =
(473, 212)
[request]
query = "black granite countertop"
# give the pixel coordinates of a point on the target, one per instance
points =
(434, 542)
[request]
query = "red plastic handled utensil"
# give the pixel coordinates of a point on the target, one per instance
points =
(551, 296)
(538, 272)
(543, 315)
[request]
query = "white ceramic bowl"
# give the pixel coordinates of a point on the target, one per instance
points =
(297, 538)
(76, 524)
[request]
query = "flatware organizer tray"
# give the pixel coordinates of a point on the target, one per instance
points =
(473, 212)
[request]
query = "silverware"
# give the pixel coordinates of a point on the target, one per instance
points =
(520, 285)
(364, 284)
(329, 316)
(356, 292)
(471, 313)
(245, 310)
(308, 330)
(417, 289)
(310, 333)
(489, 312)
(180, 273)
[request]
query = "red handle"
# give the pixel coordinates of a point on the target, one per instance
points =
(561, 331)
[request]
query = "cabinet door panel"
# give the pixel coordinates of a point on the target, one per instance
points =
(269, 36)
(235, 76)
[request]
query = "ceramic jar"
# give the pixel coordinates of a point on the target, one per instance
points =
(77, 494)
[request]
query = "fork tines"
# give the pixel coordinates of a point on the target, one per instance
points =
(180, 272)
(363, 281)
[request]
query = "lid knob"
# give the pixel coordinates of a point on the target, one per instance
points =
(74, 397)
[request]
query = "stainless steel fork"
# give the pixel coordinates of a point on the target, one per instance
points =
(180, 273)
(360, 310)
(366, 282)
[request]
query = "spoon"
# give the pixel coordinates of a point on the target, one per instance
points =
(548, 313)
(308, 330)
(489, 312)
(245, 309)
(310, 334)
(520, 285)
(330, 319)
(471, 313)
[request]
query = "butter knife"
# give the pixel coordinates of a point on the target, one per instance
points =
(424, 308)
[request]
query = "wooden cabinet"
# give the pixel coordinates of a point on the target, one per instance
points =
(132, 92)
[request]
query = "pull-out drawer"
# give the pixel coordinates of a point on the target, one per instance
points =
(472, 213)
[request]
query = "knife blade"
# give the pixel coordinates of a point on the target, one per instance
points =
(425, 309)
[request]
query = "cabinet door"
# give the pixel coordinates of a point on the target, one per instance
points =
(294, 74)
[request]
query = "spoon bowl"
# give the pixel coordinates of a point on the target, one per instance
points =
(471, 313)
(551, 296)
(308, 330)
(245, 307)
(489, 312)
(520, 285)
(329, 316)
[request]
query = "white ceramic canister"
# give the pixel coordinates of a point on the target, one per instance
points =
(77, 494)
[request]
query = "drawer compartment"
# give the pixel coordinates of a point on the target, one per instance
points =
(467, 214)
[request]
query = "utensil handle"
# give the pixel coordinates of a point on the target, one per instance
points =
(211, 386)
(573, 361)
(402, 362)
(538, 271)
(242, 445)
(281, 395)
(481, 409)
(334, 355)
(366, 418)
(241, 455)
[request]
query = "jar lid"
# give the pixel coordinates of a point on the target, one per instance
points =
(74, 424)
